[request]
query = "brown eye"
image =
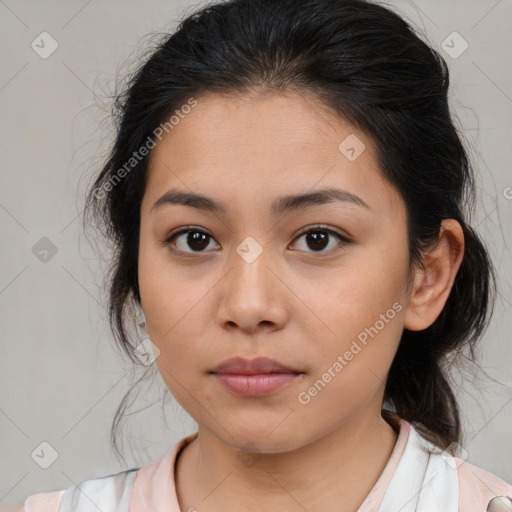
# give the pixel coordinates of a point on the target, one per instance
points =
(195, 239)
(318, 238)
(192, 240)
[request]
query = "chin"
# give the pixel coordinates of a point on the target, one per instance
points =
(263, 438)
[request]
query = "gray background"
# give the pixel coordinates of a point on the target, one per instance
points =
(61, 380)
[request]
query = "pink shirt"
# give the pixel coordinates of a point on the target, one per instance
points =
(154, 486)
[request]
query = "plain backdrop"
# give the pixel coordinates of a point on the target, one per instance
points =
(61, 380)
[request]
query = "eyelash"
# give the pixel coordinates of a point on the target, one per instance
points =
(187, 229)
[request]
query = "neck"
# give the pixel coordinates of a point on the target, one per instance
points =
(335, 472)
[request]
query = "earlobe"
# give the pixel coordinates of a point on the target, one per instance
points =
(432, 285)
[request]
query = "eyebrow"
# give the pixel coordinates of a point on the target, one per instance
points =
(280, 206)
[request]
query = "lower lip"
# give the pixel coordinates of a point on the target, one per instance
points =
(255, 385)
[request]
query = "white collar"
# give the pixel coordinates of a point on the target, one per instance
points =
(425, 480)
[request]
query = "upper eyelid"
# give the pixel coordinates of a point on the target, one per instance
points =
(320, 227)
(303, 231)
(186, 229)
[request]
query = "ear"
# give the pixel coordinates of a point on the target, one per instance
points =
(432, 286)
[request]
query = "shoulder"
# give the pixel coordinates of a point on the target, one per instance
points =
(42, 502)
(473, 487)
(110, 492)
(117, 492)
(478, 486)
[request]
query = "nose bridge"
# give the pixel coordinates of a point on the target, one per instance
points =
(251, 291)
(250, 260)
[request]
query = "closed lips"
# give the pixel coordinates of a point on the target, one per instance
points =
(258, 366)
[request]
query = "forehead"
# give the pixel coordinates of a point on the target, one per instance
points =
(244, 148)
(267, 124)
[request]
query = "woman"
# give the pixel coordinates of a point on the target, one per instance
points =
(286, 197)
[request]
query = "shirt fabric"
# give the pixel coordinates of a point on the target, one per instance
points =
(417, 473)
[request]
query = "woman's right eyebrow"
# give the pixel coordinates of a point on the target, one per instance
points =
(279, 207)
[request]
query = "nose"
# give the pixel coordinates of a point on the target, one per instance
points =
(252, 294)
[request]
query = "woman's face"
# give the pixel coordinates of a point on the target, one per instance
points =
(251, 284)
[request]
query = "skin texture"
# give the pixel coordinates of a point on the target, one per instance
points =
(295, 304)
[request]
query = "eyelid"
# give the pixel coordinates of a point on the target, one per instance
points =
(320, 227)
(185, 229)
(323, 227)
(343, 240)
(182, 229)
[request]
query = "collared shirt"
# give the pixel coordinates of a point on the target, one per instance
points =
(417, 477)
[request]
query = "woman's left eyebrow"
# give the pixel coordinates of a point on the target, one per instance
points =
(279, 207)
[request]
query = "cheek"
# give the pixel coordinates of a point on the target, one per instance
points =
(168, 295)
(169, 302)
(362, 310)
(355, 300)
(350, 367)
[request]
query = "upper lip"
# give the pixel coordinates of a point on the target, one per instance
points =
(260, 365)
